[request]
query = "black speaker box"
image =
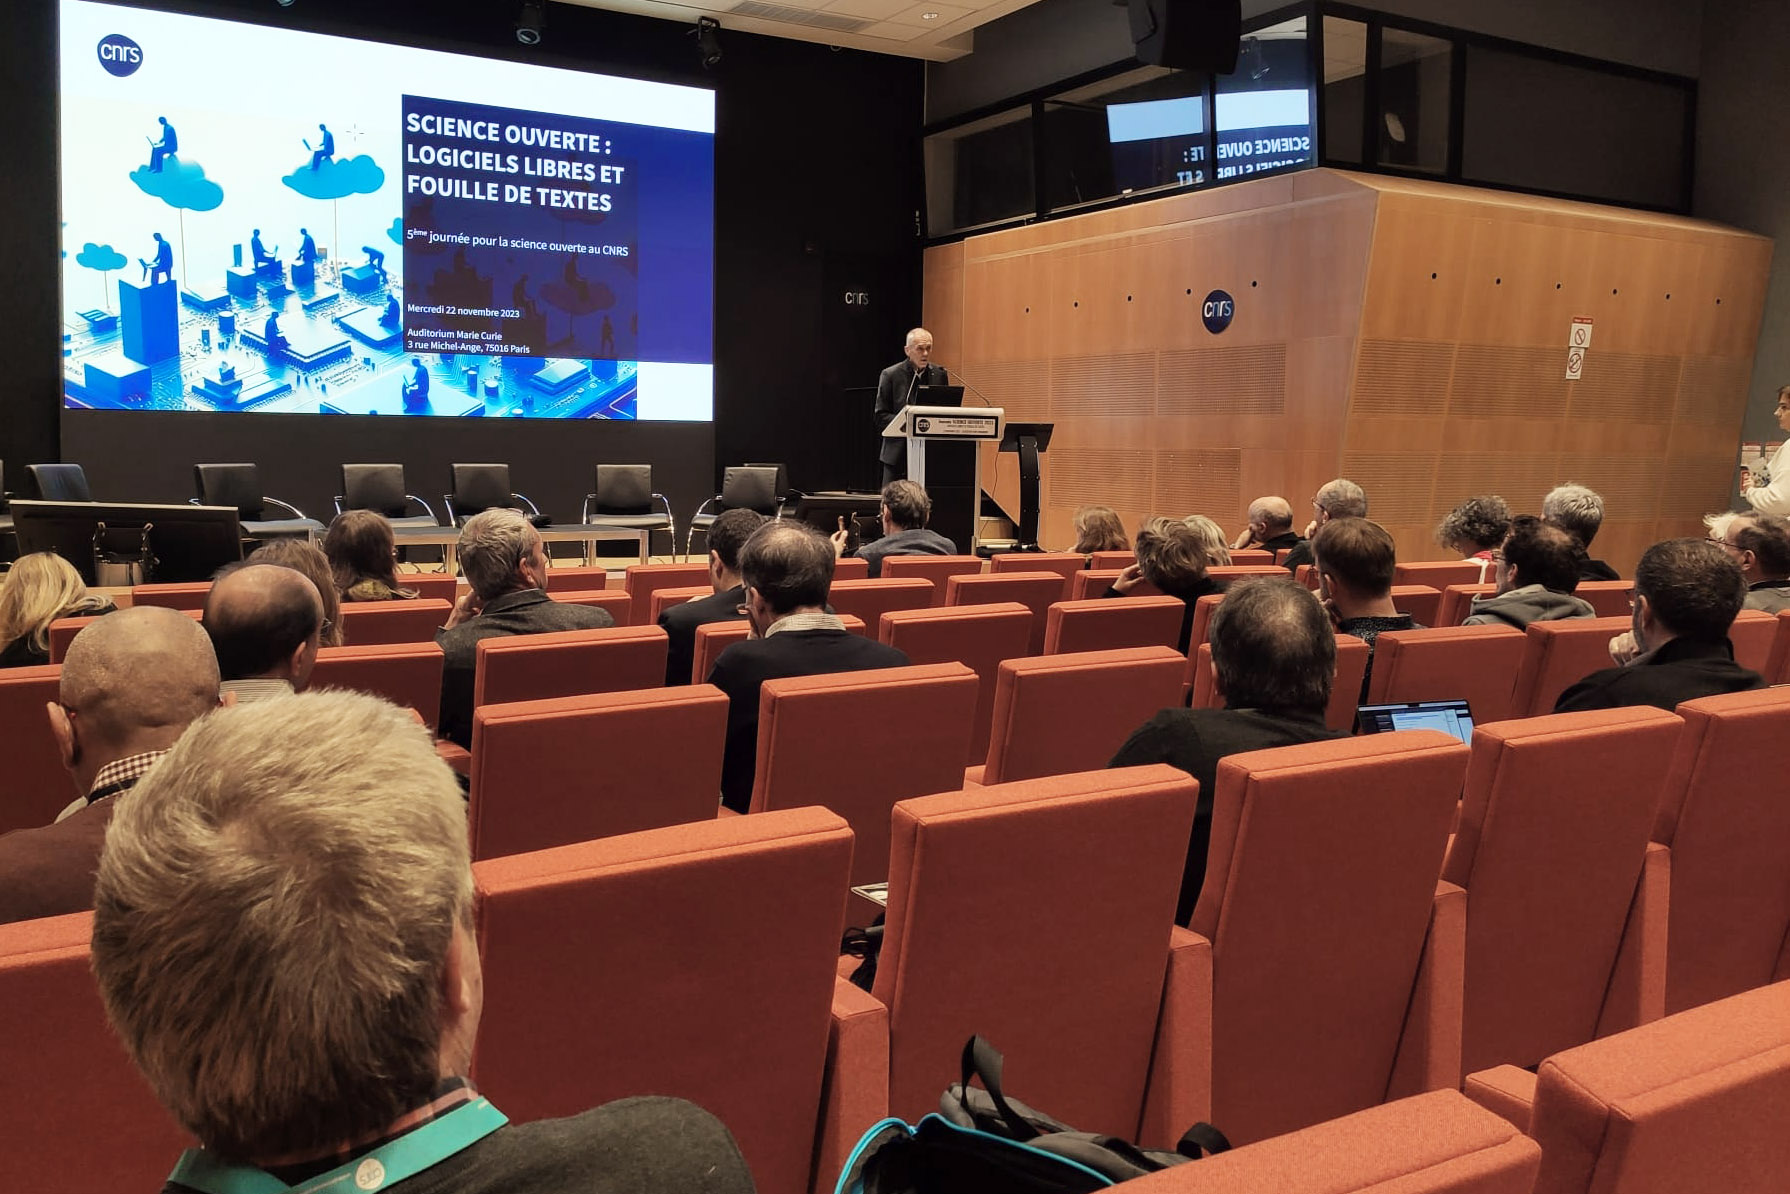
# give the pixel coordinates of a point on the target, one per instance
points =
(1188, 34)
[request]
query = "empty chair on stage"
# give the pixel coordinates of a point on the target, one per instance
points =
(239, 485)
(380, 487)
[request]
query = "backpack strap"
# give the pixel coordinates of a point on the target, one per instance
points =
(1201, 1140)
(984, 1061)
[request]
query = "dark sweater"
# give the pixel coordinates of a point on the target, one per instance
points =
(1682, 670)
(680, 622)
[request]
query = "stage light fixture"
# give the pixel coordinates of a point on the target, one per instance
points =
(530, 21)
(708, 41)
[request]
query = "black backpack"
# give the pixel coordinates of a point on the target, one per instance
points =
(981, 1142)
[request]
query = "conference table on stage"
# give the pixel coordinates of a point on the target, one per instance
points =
(447, 538)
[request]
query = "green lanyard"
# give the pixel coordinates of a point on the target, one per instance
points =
(404, 1157)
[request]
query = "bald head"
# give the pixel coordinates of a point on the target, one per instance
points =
(133, 681)
(1273, 515)
(264, 620)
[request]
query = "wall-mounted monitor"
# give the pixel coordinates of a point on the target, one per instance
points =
(261, 220)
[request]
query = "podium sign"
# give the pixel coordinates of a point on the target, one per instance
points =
(950, 436)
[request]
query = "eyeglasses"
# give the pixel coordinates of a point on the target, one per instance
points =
(1724, 543)
(1497, 557)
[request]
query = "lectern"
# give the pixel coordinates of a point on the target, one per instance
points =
(1027, 439)
(942, 459)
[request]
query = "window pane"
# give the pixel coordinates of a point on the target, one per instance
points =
(1414, 79)
(1345, 88)
(980, 173)
(1140, 131)
(1264, 108)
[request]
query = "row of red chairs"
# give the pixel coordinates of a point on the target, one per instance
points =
(1325, 970)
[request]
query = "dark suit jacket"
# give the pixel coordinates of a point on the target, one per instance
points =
(1682, 670)
(1597, 570)
(525, 611)
(916, 541)
(49, 871)
(1194, 740)
(1286, 540)
(743, 667)
(680, 623)
(893, 389)
(1299, 554)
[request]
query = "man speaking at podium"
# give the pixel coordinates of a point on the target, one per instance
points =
(895, 389)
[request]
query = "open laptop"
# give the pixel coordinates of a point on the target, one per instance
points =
(1451, 717)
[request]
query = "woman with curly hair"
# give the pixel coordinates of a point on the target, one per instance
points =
(1097, 528)
(1211, 538)
(40, 588)
(1475, 528)
(364, 557)
(1174, 558)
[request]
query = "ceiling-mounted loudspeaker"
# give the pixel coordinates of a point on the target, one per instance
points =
(1188, 34)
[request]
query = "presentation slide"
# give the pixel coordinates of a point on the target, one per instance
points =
(267, 221)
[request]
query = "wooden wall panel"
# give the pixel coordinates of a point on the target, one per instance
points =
(1409, 335)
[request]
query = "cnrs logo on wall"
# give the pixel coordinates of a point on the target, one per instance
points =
(120, 55)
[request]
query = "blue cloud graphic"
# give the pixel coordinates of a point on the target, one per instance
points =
(101, 257)
(179, 184)
(337, 178)
(396, 231)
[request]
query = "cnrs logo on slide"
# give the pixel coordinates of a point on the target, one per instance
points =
(120, 55)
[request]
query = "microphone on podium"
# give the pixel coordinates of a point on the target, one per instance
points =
(959, 379)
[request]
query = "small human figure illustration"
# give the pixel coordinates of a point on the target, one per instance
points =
(307, 248)
(416, 386)
(270, 331)
(375, 259)
(325, 149)
(160, 150)
(258, 254)
(160, 267)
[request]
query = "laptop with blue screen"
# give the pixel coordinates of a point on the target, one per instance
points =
(1451, 717)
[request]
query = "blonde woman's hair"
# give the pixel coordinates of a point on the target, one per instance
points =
(1098, 528)
(1211, 537)
(1171, 556)
(272, 918)
(40, 588)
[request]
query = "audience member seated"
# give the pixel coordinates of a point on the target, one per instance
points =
(1475, 528)
(41, 587)
(787, 569)
(1355, 559)
(363, 557)
(1768, 491)
(1270, 526)
(308, 558)
(266, 624)
(131, 683)
(1098, 528)
(1536, 570)
(1760, 544)
(1174, 557)
(1687, 593)
(1341, 498)
(309, 1013)
(505, 563)
(726, 536)
(905, 510)
(1273, 659)
(1581, 511)
(1210, 537)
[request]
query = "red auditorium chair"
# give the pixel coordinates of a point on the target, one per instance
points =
(1436, 1143)
(1203, 609)
(1420, 601)
(1334, 953)
(1307, 575)
(34, 787)
(712, 638)
(1244, 556)
(1439, 574)
(1224, 574)
(696, 961)
(1457, 603)
(1752, 634)
(811, 747)
(1041, 916)
(664, 599)
(642, 580)
(78, 1115)
(1726, 824)
(369, 623)
(1345, 690)
(406, 674)
(1112, 560)
(1557, 656)
(851, 568)
(1551, 850)
(1055, 714)
(1608, 598)
(618, 603)
(1095, 583)
(937, 569)
(1034, 590)
(577, 580)
(1448, 663)
(534, 667)
(869, 600)
(174, 596)
(978, 636)
(1108, 625)
(573, 769)
(437, 585)
(1064, 563)
(1696, 1101)
(1777, 664)
(63, 631)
